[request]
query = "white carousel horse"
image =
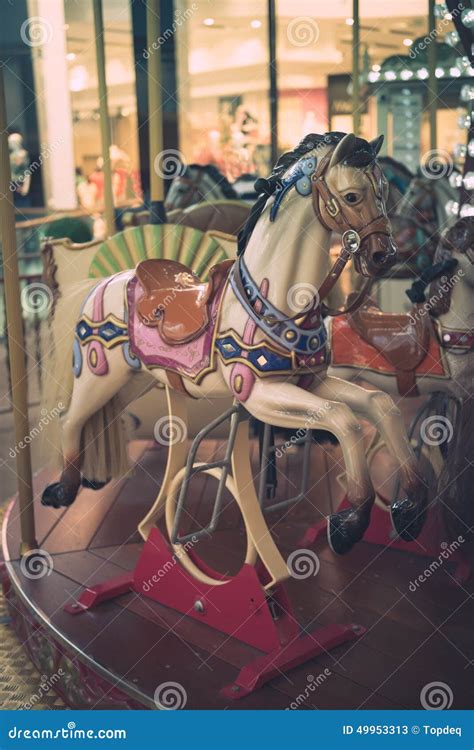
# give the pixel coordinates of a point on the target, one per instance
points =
(425, 352)
(247, 332)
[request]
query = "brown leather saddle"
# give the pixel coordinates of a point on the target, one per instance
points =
(403, 339)
(175, 300)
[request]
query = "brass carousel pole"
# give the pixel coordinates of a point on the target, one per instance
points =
(104, 117)
(432, 80)
(16, 344)
(155, 112)
(356, 104)
(272, 31)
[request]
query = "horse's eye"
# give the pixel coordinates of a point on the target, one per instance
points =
(351, 197)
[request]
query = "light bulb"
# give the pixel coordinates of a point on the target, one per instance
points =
(455, 179)
(460, 151)
(467, 17)
(468, 181)
(452, 208)
(466, 210)
(422, 73)
(405, 75)
(467, 93)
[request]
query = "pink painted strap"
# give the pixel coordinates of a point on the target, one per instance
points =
(242, 378)
(96, 359)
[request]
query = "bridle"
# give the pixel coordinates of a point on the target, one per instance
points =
(335, 215)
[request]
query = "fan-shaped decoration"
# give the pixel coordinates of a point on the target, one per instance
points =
(124, 250)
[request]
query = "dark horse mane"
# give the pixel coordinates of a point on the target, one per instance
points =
(458, 238)
(218, 178)
(361, 155)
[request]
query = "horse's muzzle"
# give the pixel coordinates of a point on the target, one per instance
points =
(377, 255)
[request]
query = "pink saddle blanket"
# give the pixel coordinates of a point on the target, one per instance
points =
(193, 359)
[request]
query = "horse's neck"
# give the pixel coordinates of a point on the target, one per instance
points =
(290, 251)
(460, 315)
(443, 192)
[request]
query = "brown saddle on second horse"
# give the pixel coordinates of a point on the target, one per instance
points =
(402, 338)
(175, 299)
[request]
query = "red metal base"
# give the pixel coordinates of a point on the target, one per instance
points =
(239, 607)
(431, 542)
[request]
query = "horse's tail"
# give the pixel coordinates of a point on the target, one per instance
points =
(457, 478)
(103, 435)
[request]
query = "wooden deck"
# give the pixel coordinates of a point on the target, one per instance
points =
(412, 639)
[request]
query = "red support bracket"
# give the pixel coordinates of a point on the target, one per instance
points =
(240, 607)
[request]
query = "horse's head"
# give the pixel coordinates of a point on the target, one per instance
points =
(349, 194)
(195, 183)
(459, 241)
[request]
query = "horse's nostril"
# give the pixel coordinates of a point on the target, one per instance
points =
(379, 258)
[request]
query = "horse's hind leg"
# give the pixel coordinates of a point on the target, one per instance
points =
(408, 513)
(90, 394)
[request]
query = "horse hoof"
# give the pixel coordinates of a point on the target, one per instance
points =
(93, 484)
(408, 518)
(55, 496)
(345, 529)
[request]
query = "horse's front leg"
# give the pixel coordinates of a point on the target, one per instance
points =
(408, 513)
(286, 405)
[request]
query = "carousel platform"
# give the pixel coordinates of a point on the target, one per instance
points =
(120, 653)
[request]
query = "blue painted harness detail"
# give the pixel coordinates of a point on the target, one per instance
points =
(300, 176)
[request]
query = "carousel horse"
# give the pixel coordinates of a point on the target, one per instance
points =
(195, 183)
(419, 218)
(427, 351)
(245, 332)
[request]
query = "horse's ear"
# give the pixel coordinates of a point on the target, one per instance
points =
(377, 144)
(343, 149)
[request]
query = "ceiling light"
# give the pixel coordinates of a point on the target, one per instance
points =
(408, 42)
(255, 24)
(71, 56)
(209, 22)
(422, 73)
(349, 21)
(376, 68)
